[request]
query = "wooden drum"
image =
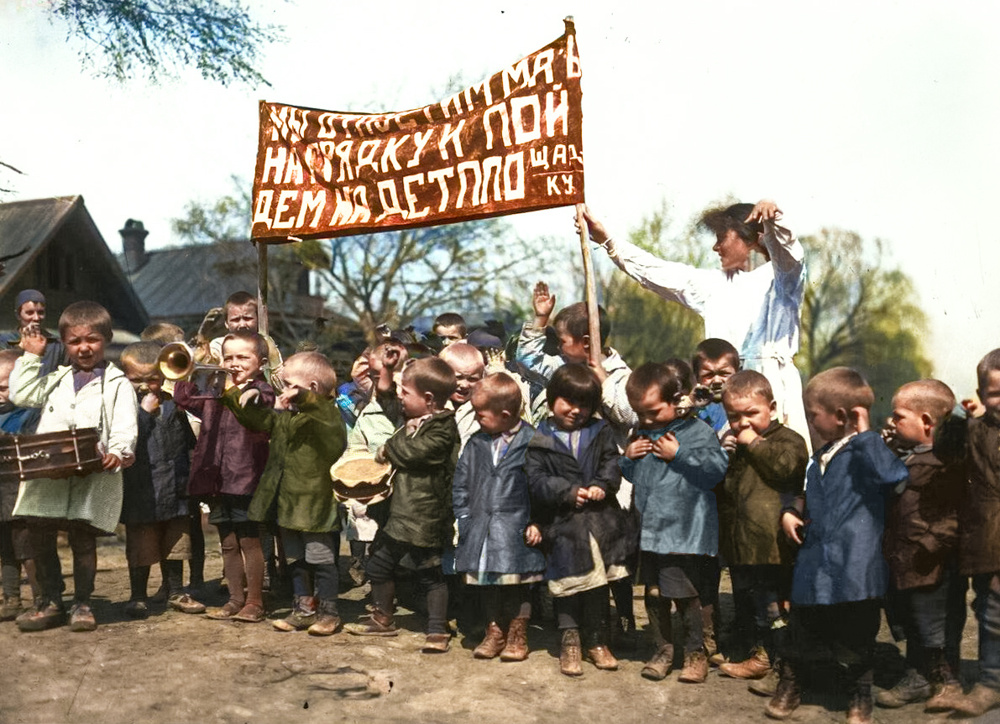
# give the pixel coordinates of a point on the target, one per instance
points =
(59, 454)
(356, 476)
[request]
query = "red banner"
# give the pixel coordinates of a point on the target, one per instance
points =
(512, 143)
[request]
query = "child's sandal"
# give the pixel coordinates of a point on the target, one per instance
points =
(225, 613)
(251, 613)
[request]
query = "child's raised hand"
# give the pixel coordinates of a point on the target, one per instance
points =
(860, 418)
(792, 525)
(33, 341)
(640, 447)
(729, 442)
(532, 535)
(764, 211)
(595, 493)
(542, 301)
(666, 447)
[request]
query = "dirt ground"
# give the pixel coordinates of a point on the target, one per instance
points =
(174, 667)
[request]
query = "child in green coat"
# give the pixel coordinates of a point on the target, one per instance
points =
(307, 437)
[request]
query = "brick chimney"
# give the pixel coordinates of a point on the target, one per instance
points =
(134, 245)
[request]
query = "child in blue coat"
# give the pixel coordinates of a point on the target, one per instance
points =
(840, 575)
(674, 464)
(491, 505)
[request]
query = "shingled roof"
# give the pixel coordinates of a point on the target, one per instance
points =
(54, 246)
(185, 282)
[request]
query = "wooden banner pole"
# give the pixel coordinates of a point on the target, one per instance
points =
(596, 353)
(262, 326)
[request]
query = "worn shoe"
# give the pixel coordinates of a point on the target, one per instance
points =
(785, 700)
(859, 711)
(516, 648)
(767, 686)
(376, 624)
(658, 667)
(944, 698)
(326, 625)
(601, 657)
(569, 653)
(912, 687)
(185, 604)
(250, 613)
(695, 669)
(492, 644)
(137, 609)
(756, 667)
(46, 615)
(977, 702)
(10, 609)
(81, 618)
(225, 612)
(303, 616)
(436, 643)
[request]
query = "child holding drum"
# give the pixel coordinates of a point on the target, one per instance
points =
(90, 392)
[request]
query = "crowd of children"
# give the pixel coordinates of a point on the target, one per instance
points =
(556, 473)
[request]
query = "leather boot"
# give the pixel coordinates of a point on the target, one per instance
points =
(601, 656)
(658, 667)
(569, 653)
(715, 657)
(492, 644)
(945, 687)
(695, 669)
(755, 667)
(977, 702)
(787, 697)
(517, 641)
(911, 688)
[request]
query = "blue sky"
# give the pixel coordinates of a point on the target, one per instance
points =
(879, 117)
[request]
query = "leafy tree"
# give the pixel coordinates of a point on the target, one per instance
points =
(644, 327)
(860, 312)
(387, 277)
(157, 38)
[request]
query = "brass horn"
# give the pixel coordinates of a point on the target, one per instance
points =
(176, 362)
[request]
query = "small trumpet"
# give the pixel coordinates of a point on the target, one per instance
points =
(176, 362)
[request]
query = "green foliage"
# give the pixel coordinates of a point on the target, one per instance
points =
(644, 327)
(158, 38)
(225, 219)
(861, 313)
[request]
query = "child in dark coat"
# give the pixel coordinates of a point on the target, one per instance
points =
(490, 494)
(573, 478)
(840, 574)
(154, 502)
(307, 436)
(979, 546)
(226, 468)
(767, 467)
(921, 545)
(423, 454)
